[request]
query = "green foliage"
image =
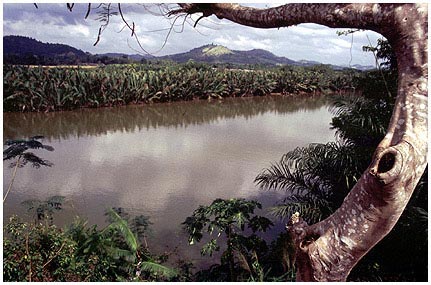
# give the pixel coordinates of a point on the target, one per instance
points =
(18, 149)
(52, 89)
(383, 51)
(224, 217)
(36, 253)
(318, 177)
(42, 252)
(361, 121)
(229, 220)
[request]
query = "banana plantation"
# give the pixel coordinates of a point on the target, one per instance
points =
(37, 89)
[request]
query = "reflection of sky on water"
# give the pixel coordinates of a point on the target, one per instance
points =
(166, 172)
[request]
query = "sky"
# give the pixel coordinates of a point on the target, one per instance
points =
(54, 23)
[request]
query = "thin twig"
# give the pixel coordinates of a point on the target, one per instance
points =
(29, 257)
(379, 68)
(103, 27)
(98, 36)
(55, 255)
(168, 34)
(88, 11)
(13, 178)
(124, 20)
(70, 6)
(196, 23)
(351, 55)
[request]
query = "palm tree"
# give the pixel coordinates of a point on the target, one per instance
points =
(316, 179)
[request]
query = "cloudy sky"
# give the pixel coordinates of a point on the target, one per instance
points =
(54, 23)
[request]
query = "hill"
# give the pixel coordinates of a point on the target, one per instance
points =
(220, 54)
(25, 50)
(29, 51)
(19, 45)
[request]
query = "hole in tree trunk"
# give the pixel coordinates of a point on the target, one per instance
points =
(386, 163)
(309, 239)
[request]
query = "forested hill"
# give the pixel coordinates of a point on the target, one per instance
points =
(24, 50)
(19, 45)
(220, 54)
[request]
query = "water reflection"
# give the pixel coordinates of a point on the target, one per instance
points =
(90, 122)
(163, 160)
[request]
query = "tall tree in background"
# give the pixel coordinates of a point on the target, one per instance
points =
(328, 250)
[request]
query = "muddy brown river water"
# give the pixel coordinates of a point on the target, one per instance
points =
(160, 160)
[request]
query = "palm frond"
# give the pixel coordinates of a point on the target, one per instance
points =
(297, 171)
(312, 208)
(280, 176)
(360, 120)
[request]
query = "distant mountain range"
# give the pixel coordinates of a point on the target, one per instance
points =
(24, 50)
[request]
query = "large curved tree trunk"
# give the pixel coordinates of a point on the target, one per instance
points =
(328, 250)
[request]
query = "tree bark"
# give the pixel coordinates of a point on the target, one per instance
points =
(328, 250)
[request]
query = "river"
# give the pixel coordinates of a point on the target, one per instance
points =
(160, 160)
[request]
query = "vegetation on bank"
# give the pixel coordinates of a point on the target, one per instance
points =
(42, 252)
(315, 178)
(318, 177)
(52, 89)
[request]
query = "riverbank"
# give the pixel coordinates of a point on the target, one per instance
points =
(32, 89)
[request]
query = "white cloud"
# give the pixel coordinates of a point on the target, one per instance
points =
(341, 43)
(78, 29)
(54, 23)
(307, 30)
(243, 43)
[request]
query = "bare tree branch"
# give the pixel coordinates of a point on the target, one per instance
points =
(70, 6)
(88, 11)
(132, 28)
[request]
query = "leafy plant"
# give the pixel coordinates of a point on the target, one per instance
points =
(43, 89)
(318, 177)
(18, 149)
(34, 252)
(42, 252)
(230, 220)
